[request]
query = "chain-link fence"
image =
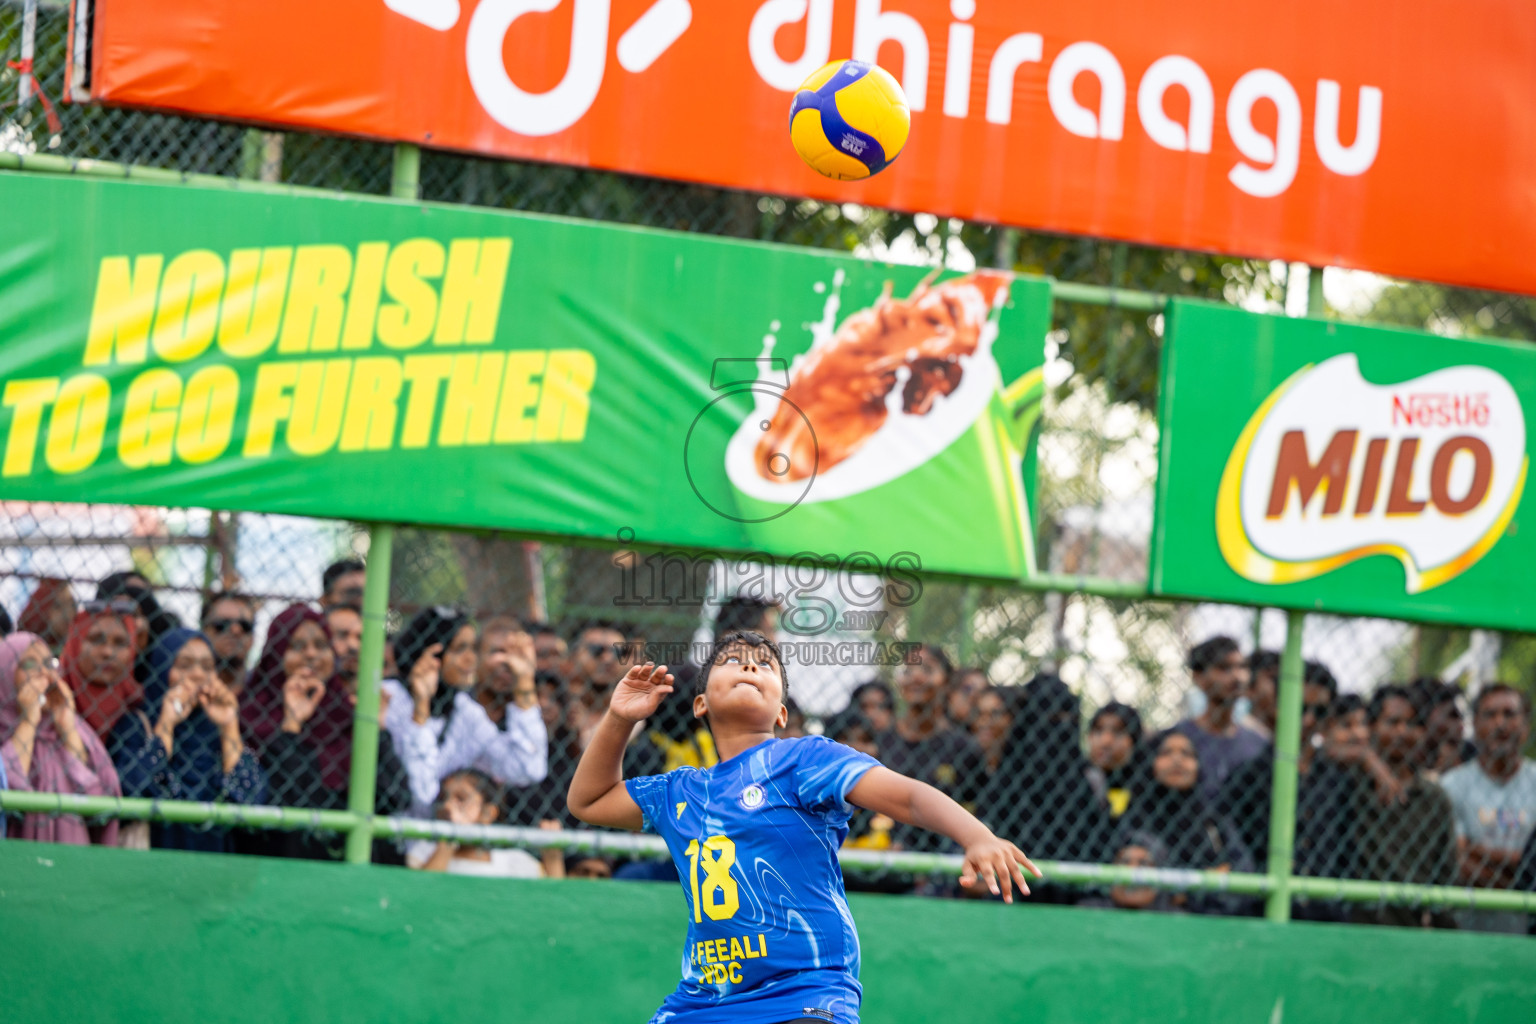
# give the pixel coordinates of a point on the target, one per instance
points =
(1091, 729)
(1045, 711)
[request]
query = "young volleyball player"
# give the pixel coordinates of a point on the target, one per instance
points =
(755, 839)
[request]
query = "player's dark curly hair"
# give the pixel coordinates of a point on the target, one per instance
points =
(740, 638)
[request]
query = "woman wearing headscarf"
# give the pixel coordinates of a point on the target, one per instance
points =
(991, 723)
(298, 633)
(1040, 796)
(1169, 806)
(184, 741)
(308, 758)
(47, 748)
(49, 612)
(98, 662)
(153, 620)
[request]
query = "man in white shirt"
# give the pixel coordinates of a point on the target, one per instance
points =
(517, 754)
(1494, 798)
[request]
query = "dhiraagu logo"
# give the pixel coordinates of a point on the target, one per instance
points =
(545, 113)
(1333, 468)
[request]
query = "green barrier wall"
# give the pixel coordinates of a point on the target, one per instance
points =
(114, 935)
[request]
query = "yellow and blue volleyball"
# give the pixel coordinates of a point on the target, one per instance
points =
(849, 120)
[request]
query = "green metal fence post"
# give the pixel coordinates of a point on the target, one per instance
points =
(1315, 292)
(1282, 804)
(405, 182)
(370, 667)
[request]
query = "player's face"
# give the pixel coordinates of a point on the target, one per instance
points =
(745, 686)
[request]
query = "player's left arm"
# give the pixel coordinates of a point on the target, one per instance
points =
(917, 803)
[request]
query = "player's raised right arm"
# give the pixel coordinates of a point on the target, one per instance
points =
(597, 795)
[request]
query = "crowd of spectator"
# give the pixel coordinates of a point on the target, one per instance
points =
(484, 722)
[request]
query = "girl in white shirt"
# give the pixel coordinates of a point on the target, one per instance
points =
(471, 797)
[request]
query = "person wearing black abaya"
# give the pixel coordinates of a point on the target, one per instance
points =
(1169, 806)
(1040, 796)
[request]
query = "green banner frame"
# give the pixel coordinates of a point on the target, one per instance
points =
(1322, 466)
(379, 361)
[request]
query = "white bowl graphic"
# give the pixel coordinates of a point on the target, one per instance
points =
(902, 443)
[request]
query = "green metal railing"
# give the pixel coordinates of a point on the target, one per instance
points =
(1278, 886)
(652, 847)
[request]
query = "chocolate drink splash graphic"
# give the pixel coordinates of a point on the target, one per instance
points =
(844, 384)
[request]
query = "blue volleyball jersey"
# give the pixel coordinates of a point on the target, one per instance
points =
(755, 841)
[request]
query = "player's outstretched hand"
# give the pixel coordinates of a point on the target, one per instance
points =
(995, 861)
(639, 693)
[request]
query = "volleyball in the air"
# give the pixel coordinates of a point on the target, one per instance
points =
(849, 120)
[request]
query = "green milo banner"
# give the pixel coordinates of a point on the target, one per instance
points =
(1324, 466)
(376, 360)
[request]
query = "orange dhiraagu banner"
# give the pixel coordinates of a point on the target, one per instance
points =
(1377, 134)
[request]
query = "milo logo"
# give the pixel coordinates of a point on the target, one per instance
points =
(1333, 468)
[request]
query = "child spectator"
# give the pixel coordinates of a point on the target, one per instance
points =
(471, 797)
(46, 747)
(866, 829)
(1138, 850)
(586, 865)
